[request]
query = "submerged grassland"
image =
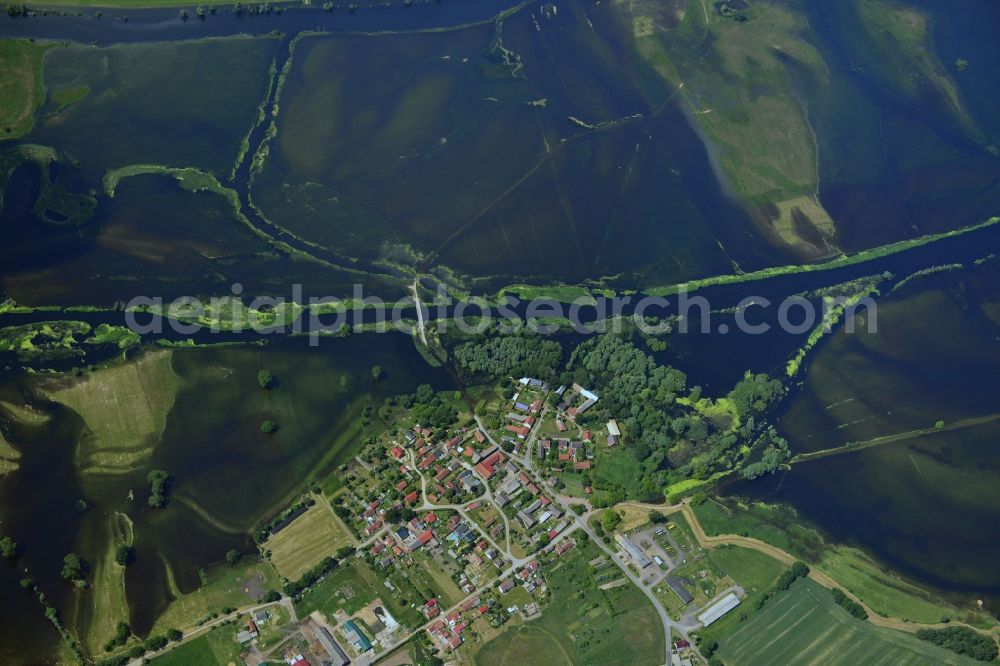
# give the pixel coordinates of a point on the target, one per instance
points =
(901, 51)
(125, 410)
(733, 78)
(21, 89)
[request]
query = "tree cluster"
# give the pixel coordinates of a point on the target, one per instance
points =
(124, 555)
(798, 570)
(74, 567)
(848, 604)
(775, 453)
(158, 482)
(520, 354)
(429, 409)
(122, 633)
(754, 393)
(8, 547)
(961, 640)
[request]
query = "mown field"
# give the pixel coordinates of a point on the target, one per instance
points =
(581, 624)
(804, 626)
(303, 544)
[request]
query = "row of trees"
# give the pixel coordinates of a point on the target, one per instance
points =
(311, 577)
(961, 640)
(848, 604)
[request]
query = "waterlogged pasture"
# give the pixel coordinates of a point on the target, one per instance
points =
(925, 501)
(535, 147)
(152, 239)
(173, 103)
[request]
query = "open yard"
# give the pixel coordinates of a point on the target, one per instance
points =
(306, 541)
(352, 586)
(219, 646)
(752, 570)
(581, 624)
(803, 625)
(226, 585)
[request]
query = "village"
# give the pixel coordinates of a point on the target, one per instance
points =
(442, 539)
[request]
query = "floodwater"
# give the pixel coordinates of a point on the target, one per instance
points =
(925, 505)
(228, 476)
(537, 149)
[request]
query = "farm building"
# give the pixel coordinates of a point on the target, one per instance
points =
(718, 609)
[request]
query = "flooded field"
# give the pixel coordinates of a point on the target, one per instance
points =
(925, 501)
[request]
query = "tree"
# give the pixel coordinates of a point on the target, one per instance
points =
(376, 372)
(265, 379)
(267, 427)
(175, 634)
(8, 547)
(74, 567)
(657, 518)
(154, 643)
(961, 64)
(610, 520)
(939, 424)
(270, 596)
(124, 555)
(233, 557)
(158, 481)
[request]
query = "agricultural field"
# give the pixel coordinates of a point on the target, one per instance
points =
(804, 625)
(314, 535)
(581, 624)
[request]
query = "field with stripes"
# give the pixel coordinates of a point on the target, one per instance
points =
(804, 626)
